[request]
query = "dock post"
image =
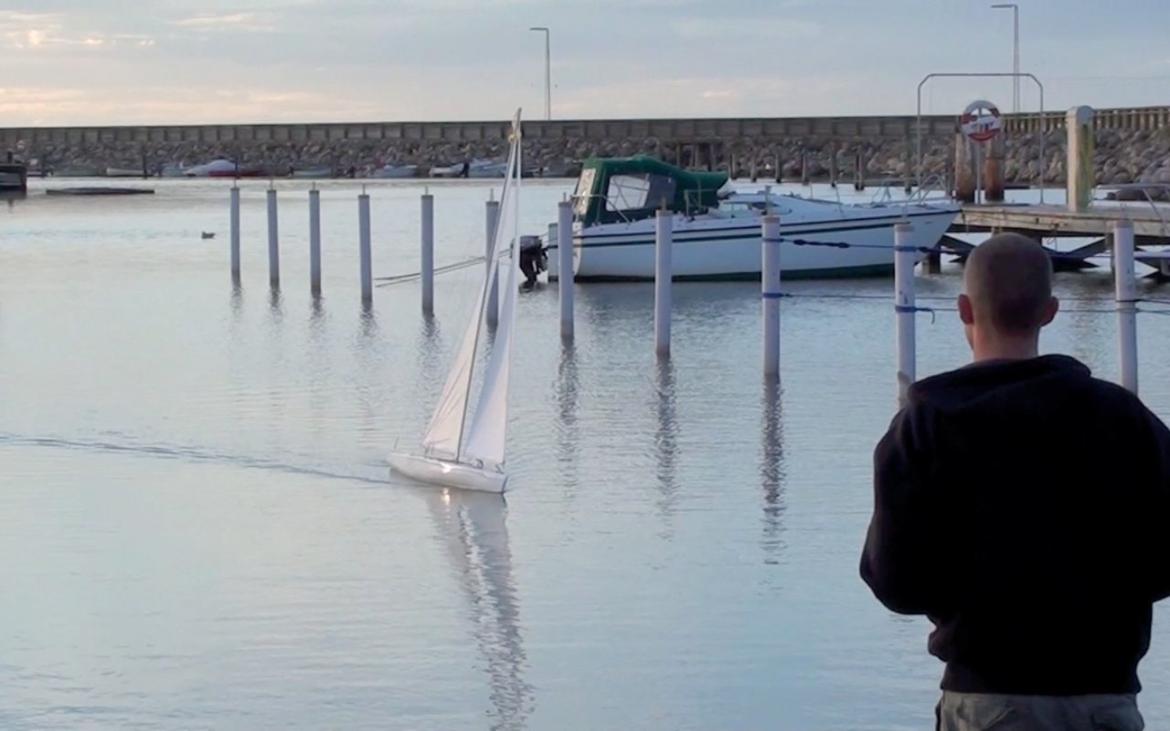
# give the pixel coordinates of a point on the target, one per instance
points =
(833, 166)
(364, 247)
(234, 225)
(1079, 170)
(273, 242)
(779, 170)
(904, 306)
(752, 169)
(1126, 296)
(663, 271)
(908, 165)
(565, 266)
(315, 241)
(804, 177)
(770, 296)
(993, 170)
(492, 216)
(859, 170)
(964, 188)
(427, 253)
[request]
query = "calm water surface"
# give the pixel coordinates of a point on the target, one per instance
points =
(198, 529)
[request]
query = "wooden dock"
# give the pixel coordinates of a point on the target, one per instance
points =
(13, 177)
(1151, 222)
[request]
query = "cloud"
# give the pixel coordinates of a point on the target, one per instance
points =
(42, 31)
(740, 28)
(51, 105)
(14, 18)
(226, 22)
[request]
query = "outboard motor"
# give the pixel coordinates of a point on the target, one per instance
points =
(533, 260)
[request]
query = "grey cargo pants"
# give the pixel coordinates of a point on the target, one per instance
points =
(991, 712)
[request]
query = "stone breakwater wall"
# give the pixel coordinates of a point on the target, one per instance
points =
(1133, 145)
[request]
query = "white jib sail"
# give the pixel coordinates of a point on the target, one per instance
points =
(487, 436)
(444, 435)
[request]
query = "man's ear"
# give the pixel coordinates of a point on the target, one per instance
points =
(1050, 311)
(967, 312)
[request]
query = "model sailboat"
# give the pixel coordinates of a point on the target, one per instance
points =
(458, 451)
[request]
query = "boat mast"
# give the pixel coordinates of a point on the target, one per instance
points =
(513, 160)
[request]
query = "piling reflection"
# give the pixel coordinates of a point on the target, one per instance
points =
(772, 474)
(473, 529)
(369, 323)
(236, 301)
(666, 437)
(316, 316)
(568, 435)
(429, 373)
(276, 305)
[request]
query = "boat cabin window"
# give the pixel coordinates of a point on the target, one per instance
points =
(584, 191)
(638, 192)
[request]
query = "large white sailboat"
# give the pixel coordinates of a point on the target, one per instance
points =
(458, 451)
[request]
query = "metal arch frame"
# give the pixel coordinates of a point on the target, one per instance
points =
(1002, 74)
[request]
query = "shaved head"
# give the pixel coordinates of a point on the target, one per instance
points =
(1008, 281)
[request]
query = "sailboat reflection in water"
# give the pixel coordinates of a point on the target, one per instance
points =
(455, 453)
(476, 536)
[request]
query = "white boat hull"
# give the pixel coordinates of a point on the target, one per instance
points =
(448, 474)
(452, 171)
(487, 170)
(723, 248)
(396, 172)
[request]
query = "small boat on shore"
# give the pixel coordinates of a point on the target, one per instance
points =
(395, 171)
(487, 168)
(318, 172)
(716, 228)
(458, 170)
(223, 169)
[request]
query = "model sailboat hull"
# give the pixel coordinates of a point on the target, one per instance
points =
(450, 474)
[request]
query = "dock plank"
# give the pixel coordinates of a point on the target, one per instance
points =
(1150, 221)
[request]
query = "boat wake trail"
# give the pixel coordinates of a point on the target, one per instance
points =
(373, 473)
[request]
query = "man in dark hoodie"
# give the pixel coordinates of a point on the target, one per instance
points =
(1021, 505)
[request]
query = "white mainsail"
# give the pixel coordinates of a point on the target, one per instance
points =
(489, 426)
(445, 434)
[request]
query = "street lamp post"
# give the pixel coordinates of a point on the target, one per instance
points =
(1015, 51)
(547, 71)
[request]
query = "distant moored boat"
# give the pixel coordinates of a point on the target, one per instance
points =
(317, 172)
(449, 171)
(223, 169)
(395, 171)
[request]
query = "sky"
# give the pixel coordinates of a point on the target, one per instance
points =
(76, 62)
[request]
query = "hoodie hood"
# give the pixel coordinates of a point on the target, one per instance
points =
(987, 383)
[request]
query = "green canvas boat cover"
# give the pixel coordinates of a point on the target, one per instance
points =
(631, 188)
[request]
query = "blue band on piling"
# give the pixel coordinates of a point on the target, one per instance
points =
(771, 295)
(772, 241)
(907, 248)
(911, 308)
